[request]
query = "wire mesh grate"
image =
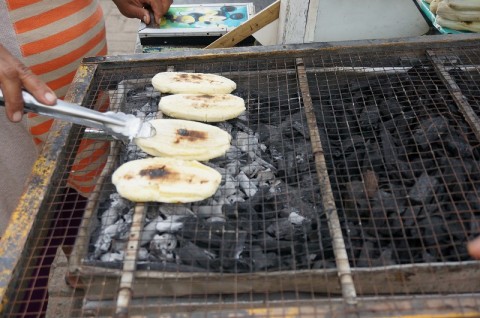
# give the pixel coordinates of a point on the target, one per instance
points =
(402, 161)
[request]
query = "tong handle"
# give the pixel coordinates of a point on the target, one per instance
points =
(67, 111)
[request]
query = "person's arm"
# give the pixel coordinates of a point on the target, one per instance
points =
(138, 9)
(14, 76)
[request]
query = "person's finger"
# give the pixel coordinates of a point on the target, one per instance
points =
(133, 9)
(12, 94)
(159, 8)
(37, 87)
(473, 248)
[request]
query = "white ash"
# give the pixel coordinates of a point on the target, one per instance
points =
(116, 231)
(112, 257)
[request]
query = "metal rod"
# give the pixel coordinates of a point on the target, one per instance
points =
(125, 292)
(341, 258)
(456, 92)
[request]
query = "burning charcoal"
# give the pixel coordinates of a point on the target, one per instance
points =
(385, 258)
(237, 197)
(390, 108)
(175, 209)
(433, 233)
(149, 231)
(323, 264)
(455, 171)
(102, 245)
(245, 142)
(251, 169)
(388, 147)
(424, 189)
(225, 125)
(118, 245)
(233, 167)
(286, 198)
(297, 122)
(118, 230)
(234, 153)
(171, 224)
(229, 188)
(366, 254)
(387, 201)
(370, 117)
(162, 246)
(269, 133)
(233, 244)
(191, 254)
(262, 261)
(142, 254)
(112, 257)
(428, 258)
(201, 233)
(240, 124)
(296, 219)
(271, 244)
(118, 206)
(248, 186)
(355, 197)
(430, 131)
(266, 165)
(207, 211)
(216, 219)
(284, 229)
(246, 215)
(458, 145)
(281, 230)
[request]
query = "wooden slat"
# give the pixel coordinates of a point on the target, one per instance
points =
(258, 21)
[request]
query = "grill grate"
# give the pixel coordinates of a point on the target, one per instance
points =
(360, 164)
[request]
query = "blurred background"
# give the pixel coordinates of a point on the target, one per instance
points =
(122, 31)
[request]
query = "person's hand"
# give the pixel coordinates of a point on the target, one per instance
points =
(138, 9)
(13, 77)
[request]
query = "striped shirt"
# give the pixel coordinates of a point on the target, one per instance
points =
(51, 37)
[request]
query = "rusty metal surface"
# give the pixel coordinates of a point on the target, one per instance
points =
(45, 169)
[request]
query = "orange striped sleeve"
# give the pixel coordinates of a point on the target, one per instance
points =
(17, 4)
(62, 37)
(68, 58)
(41, 128)
(85, 162)
(50, 16)
(88, 176)
(67, 79)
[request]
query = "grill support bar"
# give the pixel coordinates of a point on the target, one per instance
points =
(125, 292)
(341, 258)
(456, 92)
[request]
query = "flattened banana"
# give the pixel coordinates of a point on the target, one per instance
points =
(165, 180)
(192, 83)
(202, 107)
(185, 139)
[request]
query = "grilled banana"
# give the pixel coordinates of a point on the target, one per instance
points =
(165, 180)
(185, 139)
(192, 83)
(202, 107)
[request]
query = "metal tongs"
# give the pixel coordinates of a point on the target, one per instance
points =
(116, 124)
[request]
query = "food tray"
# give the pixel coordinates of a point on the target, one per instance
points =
(425, 8)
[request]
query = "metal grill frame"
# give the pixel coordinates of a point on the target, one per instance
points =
(46, 167)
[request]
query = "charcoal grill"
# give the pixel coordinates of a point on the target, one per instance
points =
(369, 191)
